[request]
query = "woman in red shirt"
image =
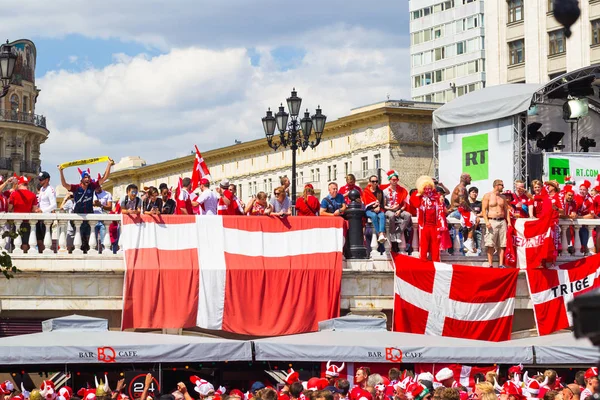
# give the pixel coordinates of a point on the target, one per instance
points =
(308, 204)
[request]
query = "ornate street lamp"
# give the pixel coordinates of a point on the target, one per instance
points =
(296, 133)
(7, 67)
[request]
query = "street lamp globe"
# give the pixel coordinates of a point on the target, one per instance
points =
(269, 124)
(306, 125)
(7, 63)
(294, 102)
(319, 122)
(282, 119)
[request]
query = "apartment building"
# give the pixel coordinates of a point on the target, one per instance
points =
(524, 43)
(446, 48)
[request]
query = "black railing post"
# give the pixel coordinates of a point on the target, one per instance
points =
(355, 215)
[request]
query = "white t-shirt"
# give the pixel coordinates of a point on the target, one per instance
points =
(209, 200)
(104, 197)
(47, 199)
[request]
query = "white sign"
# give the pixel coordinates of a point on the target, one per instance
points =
(577, 166)
(484, 150)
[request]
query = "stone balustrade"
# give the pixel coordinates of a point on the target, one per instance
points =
(63, 236)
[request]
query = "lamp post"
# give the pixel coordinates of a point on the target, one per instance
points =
(296, 133)
(7, 67)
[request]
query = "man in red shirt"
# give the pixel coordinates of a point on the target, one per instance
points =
(227, 204)
(350, 185)
(184, 201)
(22, 200)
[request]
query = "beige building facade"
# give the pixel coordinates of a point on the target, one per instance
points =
(368, 141)
(21, 131)
(525, 44)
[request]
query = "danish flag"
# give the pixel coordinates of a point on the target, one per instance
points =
(200, 169)
(440, 299)
(552, 289)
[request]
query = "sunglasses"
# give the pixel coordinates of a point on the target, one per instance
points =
(277, 193)
(374, 181)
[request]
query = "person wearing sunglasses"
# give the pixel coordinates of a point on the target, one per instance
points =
(280, 204)
(372, 198)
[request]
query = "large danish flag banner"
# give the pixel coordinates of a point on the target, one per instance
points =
(260, 276)
(552, 289)
(440, 299)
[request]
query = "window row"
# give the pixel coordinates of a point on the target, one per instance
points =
(452, 50)
(437, 8)
(455, 71)
(557, 44)
(449, 29)
(450, 94)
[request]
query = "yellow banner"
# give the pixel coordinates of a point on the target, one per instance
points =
(84, 162)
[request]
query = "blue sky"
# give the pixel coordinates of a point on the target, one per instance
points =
(151, 78)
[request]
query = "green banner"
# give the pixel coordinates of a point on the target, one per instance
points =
(475, 156)
(558, 168)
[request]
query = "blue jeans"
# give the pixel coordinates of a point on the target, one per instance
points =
(378, 220)
(100, 230)
(453, 232)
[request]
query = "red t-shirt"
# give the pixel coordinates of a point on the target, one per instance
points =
(184, 201)
(307, 208)
(346, 188)
(22, 200)
(224, 209)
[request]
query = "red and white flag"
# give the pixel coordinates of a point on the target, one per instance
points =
(260, 276)
(532, 241)
(552, 289)
(463, 374)
(200, 170)
(440, 299)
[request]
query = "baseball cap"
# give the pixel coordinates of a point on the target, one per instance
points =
(204, 181)
(43, 175)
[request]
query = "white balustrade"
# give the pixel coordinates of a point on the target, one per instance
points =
(59, 226)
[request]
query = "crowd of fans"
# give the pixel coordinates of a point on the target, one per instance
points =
(396, 385)
(387, 206)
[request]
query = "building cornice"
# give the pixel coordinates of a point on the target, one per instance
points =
(259, 146)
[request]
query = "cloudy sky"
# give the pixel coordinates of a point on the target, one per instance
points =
(152, 78)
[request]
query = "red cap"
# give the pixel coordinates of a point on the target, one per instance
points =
(586, 184)
(308, 185)
(204, 181)
(590, 373)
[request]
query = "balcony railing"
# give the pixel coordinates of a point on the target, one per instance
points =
(63, 235)
(25, 118)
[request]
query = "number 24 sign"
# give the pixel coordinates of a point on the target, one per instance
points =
(136, 386)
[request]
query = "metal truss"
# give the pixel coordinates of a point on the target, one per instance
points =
(520, 147)
(543, 95)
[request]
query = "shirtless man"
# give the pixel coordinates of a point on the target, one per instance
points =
(495, 214)
(460, 192)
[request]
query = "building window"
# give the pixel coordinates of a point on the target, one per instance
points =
(439, 54)
(271, 185)
(417, 81)
(439, 75)
(347, 168)
(377, 162)
(596, 31)
(315, 174)
(557, 42)
(460, 48)
(254, 187)
(334, 172)
(329, 173)
(550, 6)
(364, 161)
(515, 10)
(516, 50)
(239, 191)
(300, 178)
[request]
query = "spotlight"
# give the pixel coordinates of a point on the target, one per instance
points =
(575, 109)
(585, 143)
(533, 131)
(550, 141)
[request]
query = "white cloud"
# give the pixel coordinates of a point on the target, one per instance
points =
(159, 107)
(73, 59)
